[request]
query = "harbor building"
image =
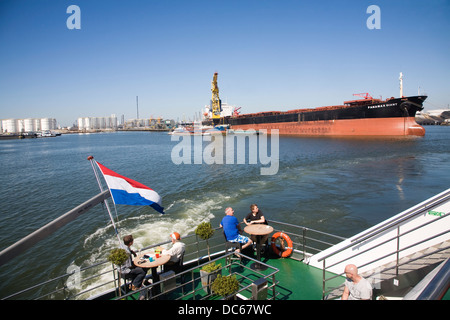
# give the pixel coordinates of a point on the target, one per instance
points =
(148, 124)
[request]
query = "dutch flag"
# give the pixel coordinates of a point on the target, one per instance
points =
(127, 191)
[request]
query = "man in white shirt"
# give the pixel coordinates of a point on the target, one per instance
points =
(356, 287)
(176, 252)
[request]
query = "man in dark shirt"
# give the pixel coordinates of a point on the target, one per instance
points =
(256, 216)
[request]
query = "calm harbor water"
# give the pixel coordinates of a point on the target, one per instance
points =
(336, 185)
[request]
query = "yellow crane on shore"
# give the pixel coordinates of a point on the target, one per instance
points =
(216, 104)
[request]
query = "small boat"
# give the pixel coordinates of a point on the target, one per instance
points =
(199, 129)
(46, 134)
(180, 131)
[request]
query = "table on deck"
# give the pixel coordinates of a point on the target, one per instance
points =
(146, 263)
(258, 230)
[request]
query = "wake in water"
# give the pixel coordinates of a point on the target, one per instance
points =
(147, 228)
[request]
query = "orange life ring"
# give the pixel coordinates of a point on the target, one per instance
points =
(287, 249)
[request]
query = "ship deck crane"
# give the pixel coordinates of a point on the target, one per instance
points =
(364, 95)
(216, 104)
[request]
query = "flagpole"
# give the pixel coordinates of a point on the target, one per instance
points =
(91, 160)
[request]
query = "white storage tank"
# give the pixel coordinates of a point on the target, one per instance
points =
(87, 123)
(45, 124)
(29, 125)
(10, 126)
(37, 124)
(101, 122)
(80, 123)
(113, 122)
(20, 127)
(48, 124)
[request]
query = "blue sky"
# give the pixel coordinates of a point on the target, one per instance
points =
(270, 55)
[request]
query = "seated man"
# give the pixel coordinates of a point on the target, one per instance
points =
(256, 217)
(356, 287)
(232, 229)
(175, 253)
(137, 274)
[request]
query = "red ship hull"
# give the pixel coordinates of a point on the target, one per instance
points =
(354, 127)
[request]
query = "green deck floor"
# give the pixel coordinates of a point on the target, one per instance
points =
(296, 280)
(299, 281)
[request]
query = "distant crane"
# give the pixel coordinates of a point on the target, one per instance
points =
(216, 104)
(364, 95)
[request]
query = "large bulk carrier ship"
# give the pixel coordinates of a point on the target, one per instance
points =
(361, 117)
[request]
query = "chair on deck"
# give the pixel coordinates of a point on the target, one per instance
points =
(232, 246)
(127, 280)
(176, 267)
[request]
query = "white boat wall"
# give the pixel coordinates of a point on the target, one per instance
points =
(413, 230)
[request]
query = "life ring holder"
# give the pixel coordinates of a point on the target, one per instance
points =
(287, 249)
